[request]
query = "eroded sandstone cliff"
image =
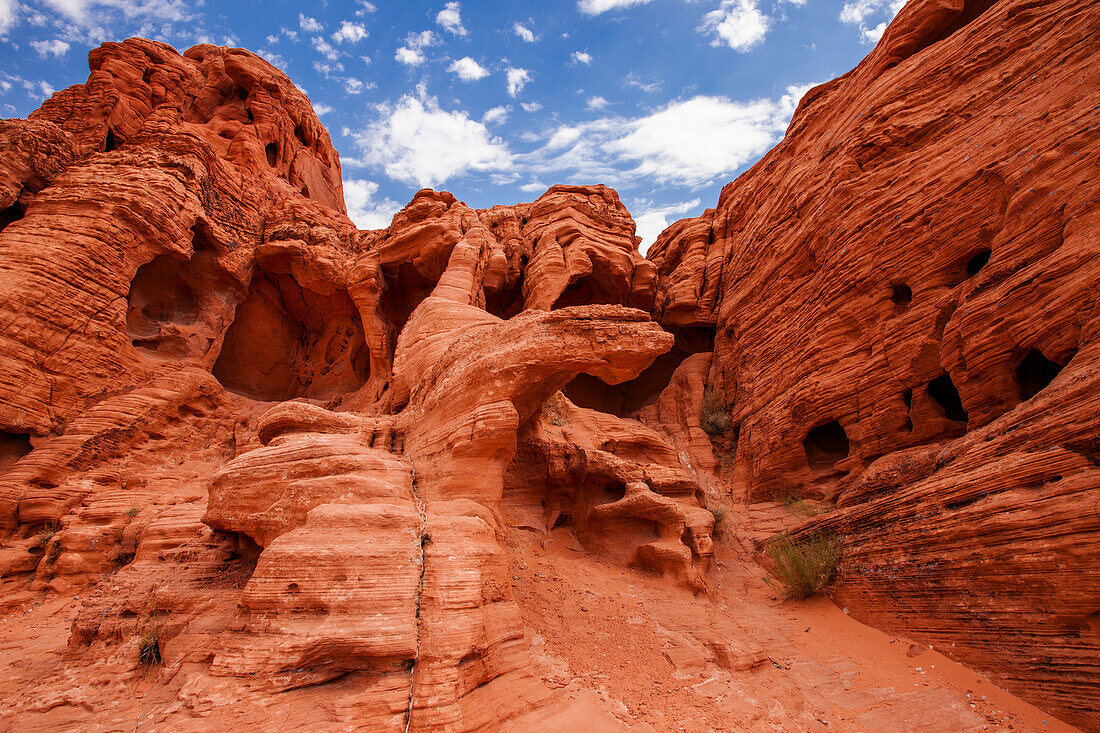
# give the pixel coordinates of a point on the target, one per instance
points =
(295, 459)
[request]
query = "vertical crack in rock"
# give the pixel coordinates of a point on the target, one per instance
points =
(424, 539)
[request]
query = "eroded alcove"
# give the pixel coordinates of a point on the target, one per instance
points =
(288, 341)
(13, 446)
(1034, 372)
(174, 305)
(624, 400)
(825, 445)
(943, 391)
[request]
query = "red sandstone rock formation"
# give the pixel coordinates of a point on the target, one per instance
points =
(904, 293)
(295, 455)
(278, 445)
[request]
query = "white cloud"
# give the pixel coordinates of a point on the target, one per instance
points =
(872, 35)
(412, 53)
(652, 220)
(738, 24)
(322, 109)
(55, 48)
(597, 103)
(273, 58)
(364, 209)
(367, 7)
(863, 12)
(691, 142)
(468, 70)
(496, 115)
(310, 25)
(649, 87)
(450, 19)
(517, 80)
(533, 187)
(531, 106)
(415, 141)
(350, 32)
(325, 48)
(356, 86)
(7, 16)
(581, 57)
(523, 32)
(595, 7)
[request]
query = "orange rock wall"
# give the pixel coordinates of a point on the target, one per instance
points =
(905, 296)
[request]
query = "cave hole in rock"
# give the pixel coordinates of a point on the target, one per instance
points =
(406, 288)
(248, 113)
(585, 291)
(825, 445)
(624, 400)
(13, 446)
(11, 214)
(167, 297)
(147, 75)
(288, 341)
(272, 151)
(943, 391)
(1034, 372)
(110, 143)
(301, 135)
(907, 398)
(508, 300)
(902, 295)
(977, 261)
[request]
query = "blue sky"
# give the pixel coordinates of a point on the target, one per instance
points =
(665, 100)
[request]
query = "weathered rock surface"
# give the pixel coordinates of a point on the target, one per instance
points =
(905, 297)
(313, 470)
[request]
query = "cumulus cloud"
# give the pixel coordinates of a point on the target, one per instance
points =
(55, 48)
(738, 24)
(531, 106)
(310, 25)
(581, 57)
(325, 48)
(496, 115)
(862, 13)
(417, 142)
(364, 208)
(517, 80)
(523, 32)
(652, 220)
(7, 16)
(690, 142)
(450, 19)
(595, 7)
(350, 32)
(596, 103)
(412, 53)
(468, 70)
(637, 82)
(322, 109)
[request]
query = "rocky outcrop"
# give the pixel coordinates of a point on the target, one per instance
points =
(269, 450)
(904, 293)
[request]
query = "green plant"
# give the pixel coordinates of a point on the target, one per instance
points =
(43, 538)
(795, 504)
(53, 553)
(804, 565)
(714, 418)
(133, 511)
(149, 646)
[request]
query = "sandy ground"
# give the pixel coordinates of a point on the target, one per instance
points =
(631, 642)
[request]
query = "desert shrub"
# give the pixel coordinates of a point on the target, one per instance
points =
(43, 538)
(804, 565)
(714, 418)
(721, 514)
(149, 646)
(53, 553)
(795, 504)
(133, 511)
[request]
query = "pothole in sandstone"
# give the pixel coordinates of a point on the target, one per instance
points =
(13, 446)
(1035, 372)
(825, 445)
(288, 341)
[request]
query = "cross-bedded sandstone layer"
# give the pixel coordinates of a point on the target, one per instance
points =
(289, 453)
(905, 294)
